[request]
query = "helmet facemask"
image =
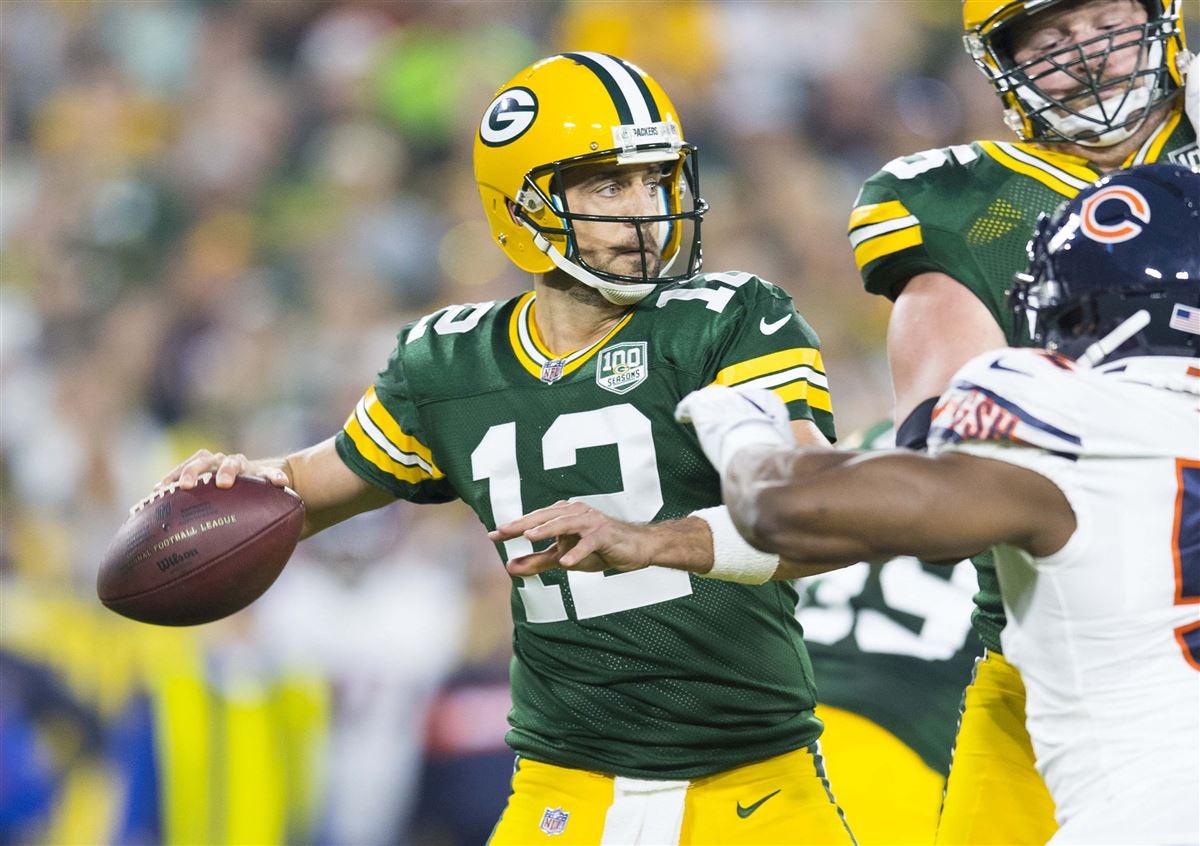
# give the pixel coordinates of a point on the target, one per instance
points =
(666, 241)
(1096, 112)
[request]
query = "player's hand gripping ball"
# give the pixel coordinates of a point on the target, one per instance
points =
(188, 557)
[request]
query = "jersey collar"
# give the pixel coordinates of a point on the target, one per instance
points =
(532, 353)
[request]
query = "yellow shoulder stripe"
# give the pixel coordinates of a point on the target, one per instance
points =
(1060, 173)
(392, 431)
(883, 245)
(802, 390)
(370, 451)
(877, 213)
(771, 363)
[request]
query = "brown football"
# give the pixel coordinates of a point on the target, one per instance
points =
(188, 557)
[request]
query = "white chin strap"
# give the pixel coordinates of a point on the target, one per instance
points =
(1116, 109)
(1108, 111)
(615, 293)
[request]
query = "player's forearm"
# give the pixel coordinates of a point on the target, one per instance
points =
(330, 490)
(807, 507)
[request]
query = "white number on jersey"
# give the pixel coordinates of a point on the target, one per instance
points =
(945, 606)
(594, 594)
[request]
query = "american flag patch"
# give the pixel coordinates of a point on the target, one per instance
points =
(1185, 319)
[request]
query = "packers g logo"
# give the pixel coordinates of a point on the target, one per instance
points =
(506, 119)
(1121, 229)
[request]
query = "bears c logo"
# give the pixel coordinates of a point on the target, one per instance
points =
(507, 118)
(1114, 229)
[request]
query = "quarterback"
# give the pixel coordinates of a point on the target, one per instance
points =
(1082, 462)
(650, 706)
(1088, 86)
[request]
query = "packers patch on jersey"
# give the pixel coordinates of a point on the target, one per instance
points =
(474, 405)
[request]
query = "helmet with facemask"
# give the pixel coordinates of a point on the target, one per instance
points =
(1115, 271)
(576, 110)
(1103, 107)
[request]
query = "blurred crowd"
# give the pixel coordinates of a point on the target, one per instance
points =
(214, 217)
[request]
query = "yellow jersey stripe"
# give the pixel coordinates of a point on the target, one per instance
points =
(596, 347)
(801, 390)
(375, 455)
(1151, 150)
(771, 363)
(884, 245)
(531, 327)
(392, 431)
(523, 317)
(1059, 174)
(877, 213)
(514, 338)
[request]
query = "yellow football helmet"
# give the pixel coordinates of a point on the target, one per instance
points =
(575, 109)
(1112, 109)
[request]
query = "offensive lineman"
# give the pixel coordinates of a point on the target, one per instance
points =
(1084, 463)
(649, 707)
(1088, 86)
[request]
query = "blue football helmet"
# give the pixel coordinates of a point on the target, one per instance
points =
(1126, 245)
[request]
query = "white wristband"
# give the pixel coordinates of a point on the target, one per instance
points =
(734, 560)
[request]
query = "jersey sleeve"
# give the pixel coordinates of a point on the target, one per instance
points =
(1013, 406)
(383, 442)
(766, 343)
(887, 237)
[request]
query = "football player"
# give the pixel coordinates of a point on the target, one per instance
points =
(1088, 86)
(651, 706)
(1082, 460)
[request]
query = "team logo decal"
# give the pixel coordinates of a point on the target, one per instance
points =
(1121, 229)
(508, 117)
(554, 821)
(622, 367)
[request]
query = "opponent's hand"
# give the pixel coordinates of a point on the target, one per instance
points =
(727, 419)
(586, 539)
(225, 467)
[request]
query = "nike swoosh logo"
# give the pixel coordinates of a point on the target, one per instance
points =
(745, 812)
(996, 365)
(773, 327)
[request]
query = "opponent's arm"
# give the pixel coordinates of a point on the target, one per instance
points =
(809, 508)
(937, 325)
(331, 491)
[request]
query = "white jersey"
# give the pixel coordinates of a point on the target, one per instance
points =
(1105, 632)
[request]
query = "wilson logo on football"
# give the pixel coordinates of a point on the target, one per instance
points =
(508, 117)
(1114, 230)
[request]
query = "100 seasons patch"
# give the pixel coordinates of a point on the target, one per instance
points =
(622, 367)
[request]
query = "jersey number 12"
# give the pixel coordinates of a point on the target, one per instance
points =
(593, 594)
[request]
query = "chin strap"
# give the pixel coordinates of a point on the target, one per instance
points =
(616, 294)
(1105, 347)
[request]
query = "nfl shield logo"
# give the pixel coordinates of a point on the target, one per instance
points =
(554, 821)
(622, 367)
(552, 371)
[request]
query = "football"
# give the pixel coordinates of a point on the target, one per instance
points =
(188, 557)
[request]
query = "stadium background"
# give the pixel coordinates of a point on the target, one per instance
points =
(214, 216)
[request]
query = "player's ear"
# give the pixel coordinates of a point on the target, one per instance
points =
(512, 211)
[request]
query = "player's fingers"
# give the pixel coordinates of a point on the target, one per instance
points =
(177, 470)
(229, 468)
(534, 563)
(562, 525)
(580, 555)
(197, 466)
(516, 528)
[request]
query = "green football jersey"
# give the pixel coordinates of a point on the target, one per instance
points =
(892, 642)
(654, 673)
(968, 211)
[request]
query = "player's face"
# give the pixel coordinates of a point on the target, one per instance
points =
(616, 190)
(1050, 32)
